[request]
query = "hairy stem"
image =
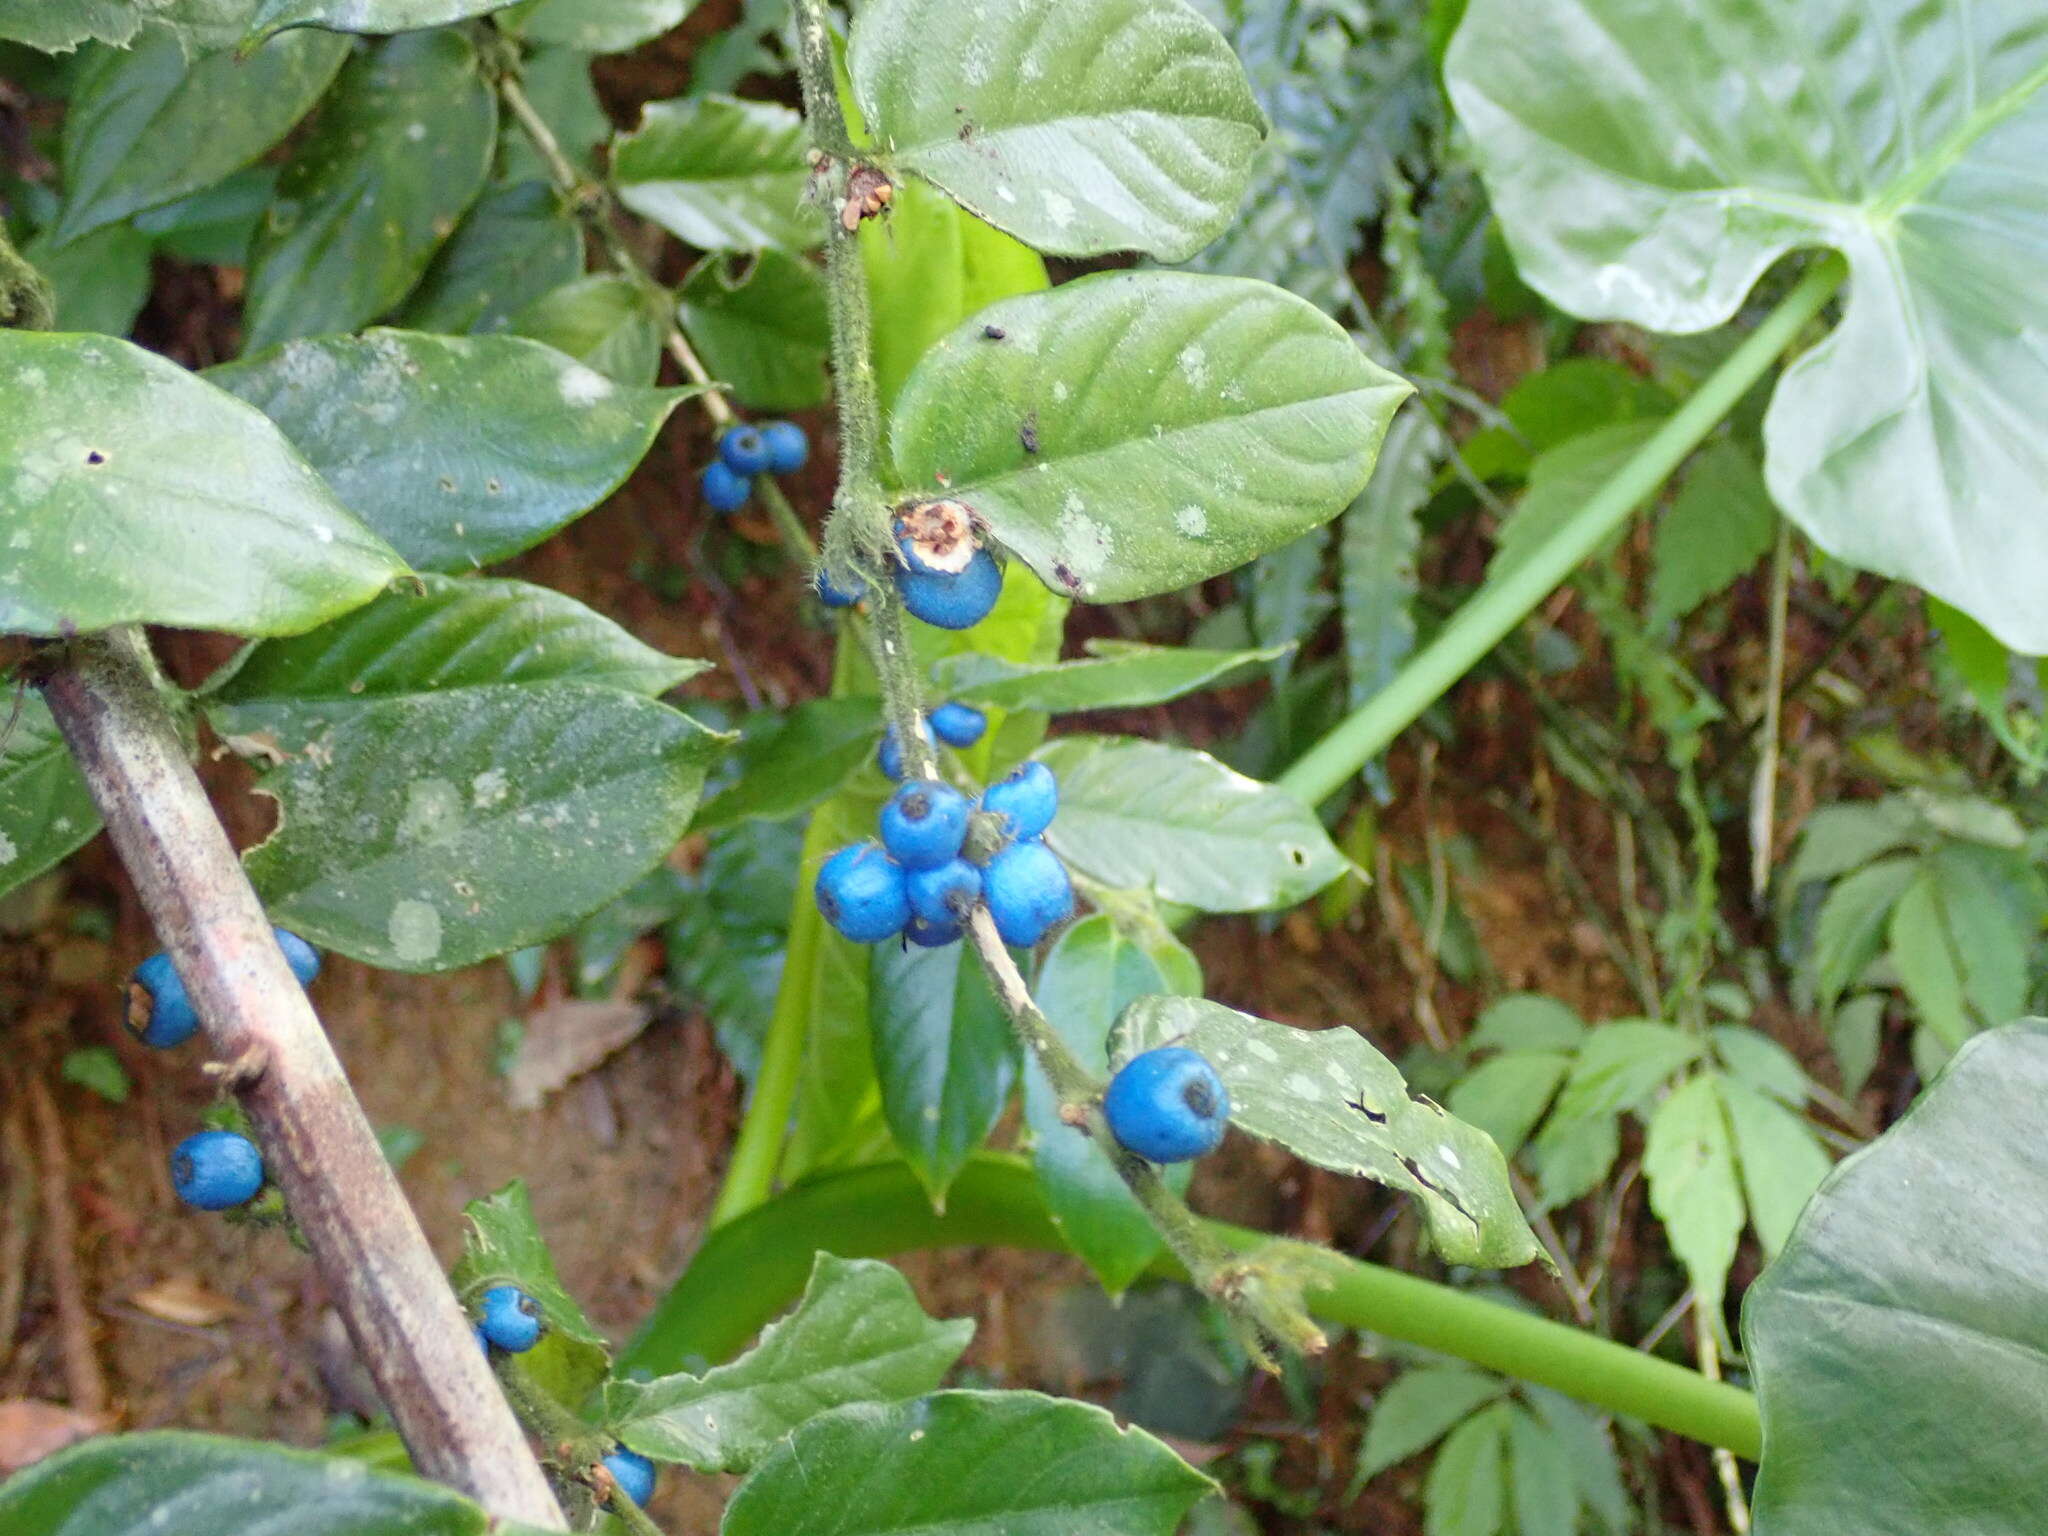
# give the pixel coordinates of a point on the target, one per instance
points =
(600, 212)
(317, 1146)
(1493, 612)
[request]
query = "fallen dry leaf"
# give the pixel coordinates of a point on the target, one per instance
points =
(31, 1430)
(565, 1040)
(182, 1299)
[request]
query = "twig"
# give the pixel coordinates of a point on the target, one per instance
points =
(1763, 789)
(1576, 1291)
(19, 1228)
(317, 1146)
(1724, 1459)
(85, 1383)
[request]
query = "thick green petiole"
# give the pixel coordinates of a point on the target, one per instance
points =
(753, 1268)
(1498, 607)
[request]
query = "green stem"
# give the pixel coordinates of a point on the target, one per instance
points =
(751, 1270)
(1499, 606)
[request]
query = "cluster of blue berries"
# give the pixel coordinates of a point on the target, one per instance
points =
(922, 882)
(212, 1170)
(946, 598)
(511, 1321)
(779, 448)
(1167, 1105)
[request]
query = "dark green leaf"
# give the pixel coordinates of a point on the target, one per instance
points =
(719, 173)
(377, 16)
(411, 642)
(45, 810)
(391, 420)
(725, 948)
(559, 88)
(99, 1069)
(944, 1055)
(602, 320)
(1420, 1408)
(174, 1484)
(789, 763)
(1466, 1493)
(1560, 482)
(214, 226)
(101, 280)
(1506, 1096)
(761, 327)
(965, 1464)
(527, 808)
(1719, 525)
(1091, 975)
(503, 1246)
(145, 127)
(1899, 1344)
(396, 158)
(1183, 425)
(1648, 164)
(597, 26)
(58, 26)
(516, 244)
(857, 1336)
(1852, 921)
(1088, 127)
(130, 492)
(1117, 676)
(1330, 1098)
(1141, 815)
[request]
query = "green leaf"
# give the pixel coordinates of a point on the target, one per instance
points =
(1761, 1062)
(1898, 1342)
(1331, 1099)
(395, 160)
(214, 226)
(1089, 127)
(1621, 1064)
(1118, 676)
(200, 514)
(1541, 1474)
(563, 95)
(1855, 1031)
(526, 808)
(1596, 1471)
(1561, 481)
(1418, 1410)
(1922, 951)
(376, 16)
(944, 1056)
(596, 26)
(1852, 921)
(1689, 1160)
(515, 245)
(503, 1246)
(1091, 975)
(1183, 424)
(725, 947)
(441, 637)
(101, 280)
(1731, 132)
(1993, 932)
(1839, 838)
(929, 266)
(1506, 1096)
(45, 810)
(1466, 1493)
(58, 26)
(1782, 1161)
(857, 1336)
(145, 127)
(761, 327)
(99, 1069)
(1719, 525)
(1141, 815)
(965, 1464)
(603, 321)
(169, 1483)
(1571, 1157)
(447, 496)
(719, 173)
(1526, 1021)
(1376, 552)
(789, 763)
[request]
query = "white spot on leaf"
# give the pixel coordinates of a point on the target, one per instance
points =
(415, 931)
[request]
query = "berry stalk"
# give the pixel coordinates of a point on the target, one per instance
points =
(317, 1144)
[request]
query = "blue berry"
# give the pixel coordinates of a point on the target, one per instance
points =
(633, 1473)
(1026, 800)
(958, 725)
(159, 1012)
(945, 893)
(1167, 1105)
(832, 595)
(860, 891)
(742, 450)
(924, 824)
(511, 1319)
(788, 449)
(724, 491)
(930, 935)
(1027, 892)
(890, 755)
(483, 1340)
(302, 957)
(947, 600)
(216, 1170)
